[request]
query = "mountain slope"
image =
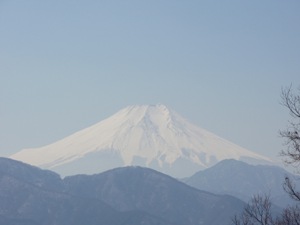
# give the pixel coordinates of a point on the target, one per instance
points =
(123, 196)
(136, 188)
(29, 195)
(148, 135)
(243, 181)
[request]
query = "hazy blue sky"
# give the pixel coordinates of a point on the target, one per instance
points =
(65, 65)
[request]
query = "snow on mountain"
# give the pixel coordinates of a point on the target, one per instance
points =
(146, 135)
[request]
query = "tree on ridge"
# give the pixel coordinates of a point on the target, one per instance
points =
(258, 210)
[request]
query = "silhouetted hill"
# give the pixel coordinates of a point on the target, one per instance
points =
(29, 195)
(242, 180)
(137, 188)
(122, 196)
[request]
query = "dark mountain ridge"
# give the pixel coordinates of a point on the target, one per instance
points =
(29, 195)
(133, 188)
(131, 195)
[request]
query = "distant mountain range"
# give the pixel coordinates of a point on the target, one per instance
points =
(242, 180)
(122, 196)
(152, 136)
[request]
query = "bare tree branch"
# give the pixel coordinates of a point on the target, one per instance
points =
(290, 188)
(290, 216)
(291, 101)
(292, 134)
(257, 212)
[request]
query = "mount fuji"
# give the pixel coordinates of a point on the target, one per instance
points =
(146, 135)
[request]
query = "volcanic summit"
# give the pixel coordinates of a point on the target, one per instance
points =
(145, 135)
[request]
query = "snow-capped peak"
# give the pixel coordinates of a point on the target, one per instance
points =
(147, 135)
